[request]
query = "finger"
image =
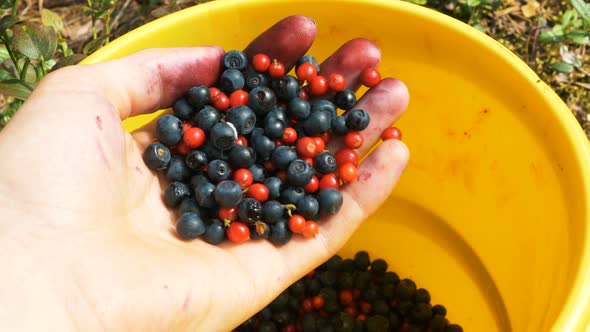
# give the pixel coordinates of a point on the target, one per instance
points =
(385, 104)
(142, 82)
(287, 40)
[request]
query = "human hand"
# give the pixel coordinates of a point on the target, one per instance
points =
(86, 242)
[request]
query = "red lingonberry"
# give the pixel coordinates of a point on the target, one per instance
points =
(194, 137)
(306, 72)
(261, 62)
(354, 139)
(289, 136)
(313, 185)
(277, 69)
(329, 181)
(336, 82)
(259, 192)
(318, 86)
(370, 77)
(347, 172)
(306, 147)
(243, 177)
(391, 133)
(311, 229)
(238, 98)
(230, 214)
(347, 155)
(238, 232)
(297, 223)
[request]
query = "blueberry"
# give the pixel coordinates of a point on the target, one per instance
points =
(345, 99)
(379, 267)
(258, 173)
(190, 205)
(182, 109)
(308, 323)
(211, 151)
(339, 125)
(177, 169)
(235, 59)
(223, 135)
(197, 179)
(205, 194)
(362, 260)
(439, 310)
(241, 156)
(214, 232)
(283, 156)
(325, 105)
(206, 118)
(291, 195)
(298, 109)
(261, 100)
(308, 207)
(406, 289)
(324, 162)
(421, 312)
(169, 130)
(156, 156)
(273, 127)
(299, 173)
(272, 211)
(280, 233)
(330, 200)
(438, 323)
(198, 96)
(286, 88)
(231, 80)
(274, 185)
(259, 230)
(318, 123)
(308, 59)
(454, 328)
(190, 226)
(255, 79)
(218, 170)
(267, 326)
(243, 118)
(249, 210)
(228, 194)
(175, 193)
(422, 296)
(263, 146)
(357, 120)
(279, 113)
(377, 323)
(196, 160)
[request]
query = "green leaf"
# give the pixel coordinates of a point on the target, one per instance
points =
(4, 75)
(31, 75)
(49, 18)
(558, 30)
(15, 88)
(3, 53)
(563, 67)
(5, 4)
(35, 41)
(567, 17)
(549, 36)
(473, 3)
(583, 9)
(7, 22)
(578, 37)
(479, 27)
(94, 45)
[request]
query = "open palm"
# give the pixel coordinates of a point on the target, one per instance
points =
(83, 220)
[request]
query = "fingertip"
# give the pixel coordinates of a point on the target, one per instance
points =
(398, 89)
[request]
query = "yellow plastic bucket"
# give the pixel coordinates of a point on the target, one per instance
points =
(492, 214)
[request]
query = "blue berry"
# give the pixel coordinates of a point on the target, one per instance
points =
(231, 80)
(177, 169)
(263, 146)
(206, 118)
(273, 127)
(235, 59)
(274, 185)
(211, 151)
(286, 88)
(308, 207)
(291, 195)
(175, 193)
(255, 79)
(218, 170)
(330, 201)
(228, 194)
(190, 205)
(272, 211)
(357, 120)
(169, 130)
(324, 162)
(198, 96)
(241, 156)
(298, 109)
(339, 125)
(156, 156)
(223, 135)
(243, 118)
(308, 59)
(258, 173)
(249, 210)
(197, 179)
(282, 156)
(259, 230)
(261, 100)
(280, 233)
(190, 226)
(279, 113)
(196, 160)
(325, 105)
(205, 194)
(214, 232)
(317, 124)
(299, 173)
(182, 109)
(345, 99)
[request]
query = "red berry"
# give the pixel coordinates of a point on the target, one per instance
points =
(391, 133)
(356, 293)
(259, 192)
(221, 102)
(289, 136)
(304, 93)
(230, 214)
(319, 144)
(365, 307)
(307, 305)
(347, 156)
(282, 174)
(347, 172)
(370, 77)
(326, 137)
(306, 72)
(306, 147)
(336, 82)
(213, 92)
(354, 139)
(346, 297)
(238, 232)
(351, 311)
(329, 181)
(194, 137)
(311, 229)
(297, 223)
(243, 177)
(308, 160)
(361, 317)
(313, 185)
(289, 328)
(182, 148)
(318, 301)
(261, 62)
(277, 69)
(318, 86)
(278, 142)
(269, 166)
(186, 126)
(242, 140)
(238, 98)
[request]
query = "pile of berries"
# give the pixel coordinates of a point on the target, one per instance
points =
(350, 295)
(248, 158)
